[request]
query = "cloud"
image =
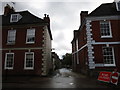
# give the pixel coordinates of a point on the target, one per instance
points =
(64, 15)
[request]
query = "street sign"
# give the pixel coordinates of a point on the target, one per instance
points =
(114, 77)
(105, 76)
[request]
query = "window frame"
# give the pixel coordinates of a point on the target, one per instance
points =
(110, 30)
(28, 36)
(113, 55)
(8, 37)
(118, 7)
(28, 68)
(6, 61)
(12, 18)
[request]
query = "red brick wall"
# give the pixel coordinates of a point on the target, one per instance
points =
(82, 37)
(19, 55)
(19, 58)
(114, 28)
(21, 37)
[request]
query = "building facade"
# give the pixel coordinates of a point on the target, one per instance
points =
(26, 43)
(96, 45)
(56, 61)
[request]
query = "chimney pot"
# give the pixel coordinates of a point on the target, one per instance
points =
(45, 15)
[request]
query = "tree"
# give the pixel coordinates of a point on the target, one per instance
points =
(67, 60)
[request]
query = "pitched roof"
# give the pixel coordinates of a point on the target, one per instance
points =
(27, 18)
(107, 9)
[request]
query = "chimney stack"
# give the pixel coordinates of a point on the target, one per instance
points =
(83, 14)
(75, 33)
(8, 10)
(46, 18)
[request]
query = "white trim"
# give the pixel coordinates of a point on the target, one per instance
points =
(117, 6)
(11, 18)
(80, 49)
(97, 43)
(91, 63)
(109, 65)
(77, 58)
(103, 18)
(28, 68)
(104, 65)
(6, 61)
(99, 65)
(77, 43)
(106, 36)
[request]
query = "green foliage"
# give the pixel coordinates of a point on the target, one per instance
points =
(67, 59)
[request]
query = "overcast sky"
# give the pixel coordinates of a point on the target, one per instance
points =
(64, 16)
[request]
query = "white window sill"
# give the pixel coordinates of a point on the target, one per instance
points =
(8, 68)
(30, 42)
(104, 65)
(109, 65)
(11, 43)
(28, 68)
(106, 36)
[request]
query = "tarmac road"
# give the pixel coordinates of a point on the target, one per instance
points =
(63, 78)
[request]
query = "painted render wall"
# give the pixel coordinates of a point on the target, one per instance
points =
(47, 61)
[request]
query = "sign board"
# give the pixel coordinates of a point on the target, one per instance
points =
(105, 76)
(114, 77)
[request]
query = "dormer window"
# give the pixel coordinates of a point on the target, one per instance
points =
(15, 17)
(118, 6)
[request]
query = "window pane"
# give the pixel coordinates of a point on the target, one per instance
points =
(118, 6)
(29, 60)
(105, 28)
(14, 18)
(108, 55)
(11, 36)
(30, 36)
(9, 60)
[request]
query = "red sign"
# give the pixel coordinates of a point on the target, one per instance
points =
(105, 76)
(114, 77)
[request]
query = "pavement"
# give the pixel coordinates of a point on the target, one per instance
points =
(62, 78)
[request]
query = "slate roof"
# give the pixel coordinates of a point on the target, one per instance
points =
(107, 9)
(27, 18)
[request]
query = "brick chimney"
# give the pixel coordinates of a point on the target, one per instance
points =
(83, 14)
(8, 10)
(75, 33)
(46, 18)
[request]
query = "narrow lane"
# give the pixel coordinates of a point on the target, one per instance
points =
(63, 78)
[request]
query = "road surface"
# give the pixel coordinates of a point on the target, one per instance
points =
(63, 78)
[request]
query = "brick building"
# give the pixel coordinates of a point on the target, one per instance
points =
(96, 44)
(56, 61)
(26, 43)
